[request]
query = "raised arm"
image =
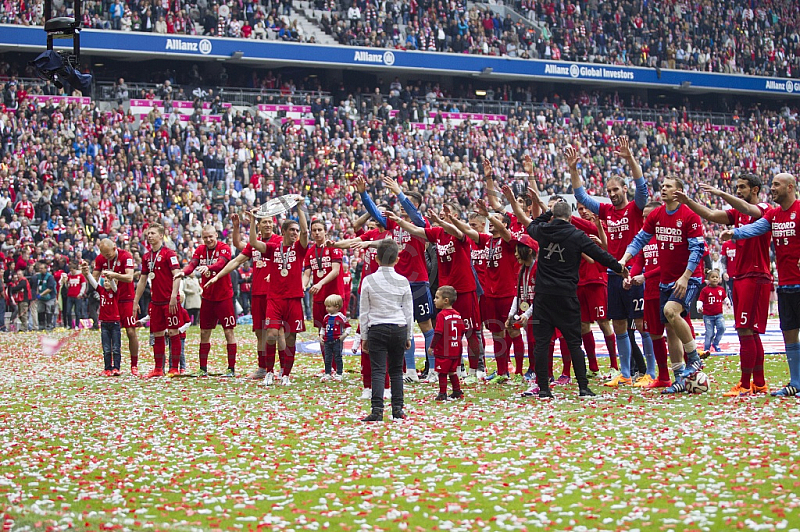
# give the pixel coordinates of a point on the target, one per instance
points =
(236, 238)
(737, 203)
(303, 221)
(757, 228)
(491, 190)
(446, 223)
(412, 229)
(502, 230)
(361, 221)
(712, 215)
(466, 229)
(571, 155)
(411, 210)
(255, 243)
(519, 212)
(624, 151)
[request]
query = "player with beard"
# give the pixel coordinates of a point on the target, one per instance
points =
(216, 307)
(259, 292)
(623, 219)
(752, 277)
(117, 265)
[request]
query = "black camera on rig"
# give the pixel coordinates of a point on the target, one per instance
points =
(62, 66)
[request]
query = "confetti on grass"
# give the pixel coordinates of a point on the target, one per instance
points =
(82, 451)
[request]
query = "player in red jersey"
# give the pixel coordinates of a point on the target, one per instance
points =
(455, 269)
(117, 265)
(752, 277)
(160, 267)
(679, 233)
(501, 265)
(446, 345)
(216, 307)
(782, 220)
(108, 316)
(285, 306)
(645, 271)
(322, 269)
(623, 220)
(521, 310)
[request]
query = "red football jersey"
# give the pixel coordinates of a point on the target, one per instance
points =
(162, 263)
(450, 326)
(74, 284)
(454, 260)
(123, 261)
(322, 260)
(501, 265)
(108, 311)
(371, 254)
(753, 252)
(712, 299)
(787, 245)
(219, 256)
(729, 251)
(623, 225)
(589, 273)
(260, 267)
(411, 260)
(652, 273)
(672, 232)
(514, 225)
(290, 259)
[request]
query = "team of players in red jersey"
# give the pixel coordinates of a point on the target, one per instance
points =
(493, 274)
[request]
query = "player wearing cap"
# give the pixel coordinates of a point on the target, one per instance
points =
(216, 307)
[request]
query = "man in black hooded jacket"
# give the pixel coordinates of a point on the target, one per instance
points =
(555, 305)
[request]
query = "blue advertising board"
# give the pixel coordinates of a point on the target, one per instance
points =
(117, 43)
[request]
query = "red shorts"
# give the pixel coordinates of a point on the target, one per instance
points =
(286, 314)
(652, 317)
(751, 303)
(466, 304)
(494, 311)
(213, 313)
(162, 319)
(258, 308)
(127, 316)
(318, 312)
(447, 365)
(593, 299)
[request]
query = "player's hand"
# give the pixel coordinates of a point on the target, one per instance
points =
(315, 289)
(430, 351)
(596, 240)
(487, 167)
(508, 193)
(85, 268)
(638, 280)
(392, 185)
(235, 220)
(708, 189)
(329, 243)
(527, 164)
(361, 184)
(681, 197)
(626, 283)
(360, 245)
(523, 320)
(251, 217)
(212, 281)
(480, 207)
(728, 235)
(623, 148)
(201, 271)
(625, 273)
(390, 215)
(173, 305)
(408, 344)
(571, 156)
(681, 285)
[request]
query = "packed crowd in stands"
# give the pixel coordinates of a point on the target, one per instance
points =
(733, 36)
(71, 174)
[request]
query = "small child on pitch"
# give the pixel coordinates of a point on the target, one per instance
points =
(709, 302)
(108, 316)
(335, 329)
(446, 345)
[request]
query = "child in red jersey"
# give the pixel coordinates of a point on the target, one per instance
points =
(108, 316)
(446, 344)
(334, 330)
(710, 301)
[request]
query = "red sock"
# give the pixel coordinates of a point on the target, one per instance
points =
(519, 352)
(566, 357)
(134, 359)
(443, 383)
(205, 349)
(473, 350)
(159, 347)
(611, 344)
(288, 360)
(262, 359)
(269, 358)
(455, 382)
(501, 354)
(748, 352)
(366, 370)
(758, 369)
(660, 352)
(591, 350)
(174, 352)
(231, 356)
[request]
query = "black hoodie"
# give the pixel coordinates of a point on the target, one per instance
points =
(560, 247)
